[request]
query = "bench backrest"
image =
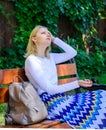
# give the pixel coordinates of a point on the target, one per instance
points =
(66, 73)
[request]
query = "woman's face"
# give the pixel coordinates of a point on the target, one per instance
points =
(43, 37)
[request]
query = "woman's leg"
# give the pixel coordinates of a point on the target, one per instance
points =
(84, 110)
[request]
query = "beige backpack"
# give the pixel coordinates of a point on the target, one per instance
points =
(25, 105)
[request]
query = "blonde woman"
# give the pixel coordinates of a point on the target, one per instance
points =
(40, 68)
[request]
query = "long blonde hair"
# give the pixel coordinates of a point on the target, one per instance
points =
(31, 47)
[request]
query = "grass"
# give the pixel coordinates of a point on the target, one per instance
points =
(2, 121)
(2, 112)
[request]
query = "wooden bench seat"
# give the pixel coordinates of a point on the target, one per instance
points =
(66, 73)
(42, 124)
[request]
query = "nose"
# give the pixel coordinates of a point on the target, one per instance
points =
(48, 34)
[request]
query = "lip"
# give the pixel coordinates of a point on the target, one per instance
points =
(48, 38)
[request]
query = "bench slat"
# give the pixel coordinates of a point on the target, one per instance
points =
(43, 124)
(67, 80)
(6, 76)
(66, 69)
(4, 95)
(62, 125)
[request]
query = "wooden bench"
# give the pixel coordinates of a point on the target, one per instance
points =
(66, 73)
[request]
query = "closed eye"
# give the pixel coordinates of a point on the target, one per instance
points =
(43, 32)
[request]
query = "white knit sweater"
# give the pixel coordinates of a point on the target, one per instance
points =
(42, 72)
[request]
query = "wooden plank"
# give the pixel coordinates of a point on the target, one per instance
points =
(44, 124)
(62, 125)
(67, 80)
(66, 69)
(4, 95)
(12, 126)
(6, 76)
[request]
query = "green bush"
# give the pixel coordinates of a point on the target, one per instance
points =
(92, 64)
(82, 14)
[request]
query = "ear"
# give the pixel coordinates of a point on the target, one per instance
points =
(34, 39)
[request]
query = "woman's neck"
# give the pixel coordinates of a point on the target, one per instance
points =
(41, 52)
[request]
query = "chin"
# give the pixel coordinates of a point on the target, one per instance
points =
(48, 44)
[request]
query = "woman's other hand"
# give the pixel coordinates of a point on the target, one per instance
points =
(85, 83)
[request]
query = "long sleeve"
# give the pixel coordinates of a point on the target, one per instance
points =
(68, 53)
(40, 78)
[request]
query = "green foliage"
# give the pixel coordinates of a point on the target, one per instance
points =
(82, 14)
(92, 64)
(11, 58)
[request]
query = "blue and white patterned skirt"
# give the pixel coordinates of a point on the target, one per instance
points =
(80, 111)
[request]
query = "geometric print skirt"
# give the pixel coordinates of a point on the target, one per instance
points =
(81, 111)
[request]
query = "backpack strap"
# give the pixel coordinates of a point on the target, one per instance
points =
(8, 119)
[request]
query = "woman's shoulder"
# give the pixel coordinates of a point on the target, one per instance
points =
(32, 58)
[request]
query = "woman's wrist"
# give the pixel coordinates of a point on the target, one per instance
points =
(79, 82)
(53, 38)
